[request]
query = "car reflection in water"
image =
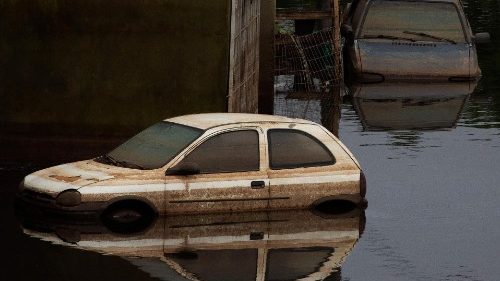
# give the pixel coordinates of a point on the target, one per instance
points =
(281, 245)
(407, 106)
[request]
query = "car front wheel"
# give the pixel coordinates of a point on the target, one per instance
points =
(128, 217)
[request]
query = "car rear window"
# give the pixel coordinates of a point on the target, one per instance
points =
(290, 149)
(395, 18)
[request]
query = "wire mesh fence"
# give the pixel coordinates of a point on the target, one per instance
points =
(305, 75)
(304, 64)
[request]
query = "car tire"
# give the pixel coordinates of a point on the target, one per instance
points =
(128, 217)
(335, 207)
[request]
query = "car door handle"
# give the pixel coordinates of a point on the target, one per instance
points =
(258, 184)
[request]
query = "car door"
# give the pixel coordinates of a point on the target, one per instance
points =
(303, 168)
(230, 176)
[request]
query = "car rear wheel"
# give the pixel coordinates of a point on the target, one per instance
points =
(336, 207)
(128, 216)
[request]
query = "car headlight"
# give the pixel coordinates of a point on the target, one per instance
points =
(69, 198)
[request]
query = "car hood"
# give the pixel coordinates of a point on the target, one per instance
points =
(420, 60)
(70, 176)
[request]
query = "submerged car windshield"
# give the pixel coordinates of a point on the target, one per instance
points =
(154, 147)
(421, 21)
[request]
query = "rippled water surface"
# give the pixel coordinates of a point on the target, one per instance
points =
(433, 195)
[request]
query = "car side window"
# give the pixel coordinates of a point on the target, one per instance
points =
(290, 149)
(236, 151)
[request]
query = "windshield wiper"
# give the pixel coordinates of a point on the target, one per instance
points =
(129, 165)
(430, 36)
(108, 160)
(120, 163)
(390, 37)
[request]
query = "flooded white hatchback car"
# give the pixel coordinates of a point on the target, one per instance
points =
(206, 163)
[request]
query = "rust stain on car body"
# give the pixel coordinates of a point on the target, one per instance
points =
(64, 178)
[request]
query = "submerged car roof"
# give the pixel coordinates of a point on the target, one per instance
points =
(208, 120)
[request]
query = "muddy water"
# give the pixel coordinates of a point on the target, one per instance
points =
(432, 168)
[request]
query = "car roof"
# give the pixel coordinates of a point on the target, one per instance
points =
(209, 120)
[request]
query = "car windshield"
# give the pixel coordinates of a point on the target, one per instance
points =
(422, 21)
(154, 147)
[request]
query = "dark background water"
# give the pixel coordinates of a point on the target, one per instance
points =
(433, 194)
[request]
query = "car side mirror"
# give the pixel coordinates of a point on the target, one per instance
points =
(184, 169)
(482, 38)
(347, 32)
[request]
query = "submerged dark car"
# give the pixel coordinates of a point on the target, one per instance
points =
(409, 40)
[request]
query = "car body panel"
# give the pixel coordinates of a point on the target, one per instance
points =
(146, 185)
(398, 60)
(302, 187)
(220, 191)
(70, 176)
(210, 120)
